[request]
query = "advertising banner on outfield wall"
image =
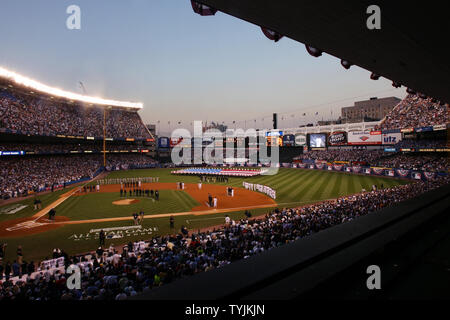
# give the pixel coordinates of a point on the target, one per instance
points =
(439, 127)
(403, 173)
(424, 129)
(274, 141)
(300, 140)
(12, 153)
(379, 171)
(337, 138)
(288, 140)
(320, 166)
(391, 138)
(163, 142)
(364, 137)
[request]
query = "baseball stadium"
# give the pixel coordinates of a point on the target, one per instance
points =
(90, 182)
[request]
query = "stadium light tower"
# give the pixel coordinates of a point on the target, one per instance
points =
(104, 135)
(104, 124)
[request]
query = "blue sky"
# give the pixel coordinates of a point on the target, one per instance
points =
(182, 66)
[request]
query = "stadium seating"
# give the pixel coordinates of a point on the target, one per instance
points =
(145, 265)
(415, 112)
(437, 162)
(20, 176)
(39, 115)
(25, 116)
(65, 148)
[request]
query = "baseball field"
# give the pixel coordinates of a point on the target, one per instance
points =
(80, 215)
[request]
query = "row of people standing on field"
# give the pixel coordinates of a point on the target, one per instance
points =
(134, 184)
(140, 193)
(91, 188)
(212, 201)
(180, 185)
(138, 218)
(37, 204)
(123, 181)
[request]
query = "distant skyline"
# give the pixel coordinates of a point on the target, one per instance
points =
(182, 66)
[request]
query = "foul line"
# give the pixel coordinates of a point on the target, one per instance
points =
(188, 221)
(165, 215)
(57, 202)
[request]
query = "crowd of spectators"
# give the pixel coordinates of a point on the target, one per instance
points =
(431, 162)
(368, 156)
(415, 112)
(126, 161)
(21, 175)
(44, 148)
(146, 265)
(37, 114)
(423, 143)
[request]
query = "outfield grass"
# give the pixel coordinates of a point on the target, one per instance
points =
(38, 247)
(294, 187)
(28, 211)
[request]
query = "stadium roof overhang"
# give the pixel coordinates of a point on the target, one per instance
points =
(408, 48)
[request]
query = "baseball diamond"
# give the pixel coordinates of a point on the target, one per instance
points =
(150, 152)
(82, 211)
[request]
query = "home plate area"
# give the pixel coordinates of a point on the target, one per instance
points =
(26, 225)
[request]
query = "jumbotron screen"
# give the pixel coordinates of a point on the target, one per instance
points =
(317, 140)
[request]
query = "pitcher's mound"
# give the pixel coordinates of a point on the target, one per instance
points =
(125, 202)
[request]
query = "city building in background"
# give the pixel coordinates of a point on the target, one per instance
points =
(373, 109)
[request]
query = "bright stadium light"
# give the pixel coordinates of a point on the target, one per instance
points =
(32, 84)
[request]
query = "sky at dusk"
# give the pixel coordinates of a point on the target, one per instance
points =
(182, 66)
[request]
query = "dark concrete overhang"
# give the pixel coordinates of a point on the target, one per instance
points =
(409, 49)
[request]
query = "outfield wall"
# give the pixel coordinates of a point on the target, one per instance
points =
(69, 183)
(368, 170)
(340, 167)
